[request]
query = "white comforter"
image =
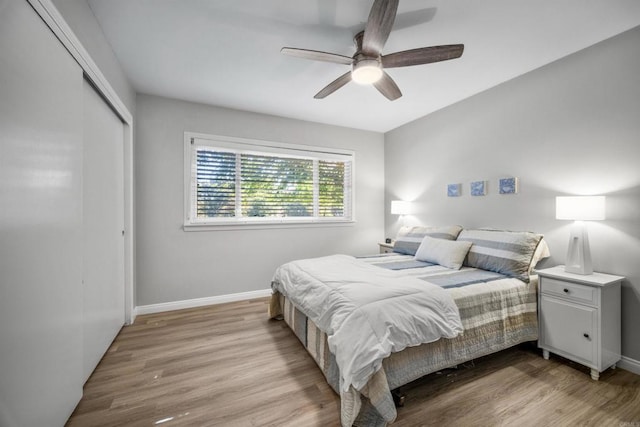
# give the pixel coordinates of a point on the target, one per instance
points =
(366, 312)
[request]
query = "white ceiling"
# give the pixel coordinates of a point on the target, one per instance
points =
(227, 52)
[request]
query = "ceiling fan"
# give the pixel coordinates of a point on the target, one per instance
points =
(368, 63)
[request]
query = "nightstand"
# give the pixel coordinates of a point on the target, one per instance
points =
(386, 248)
(579, 317)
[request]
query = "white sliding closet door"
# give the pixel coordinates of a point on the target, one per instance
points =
(103, 222)
(40, 222)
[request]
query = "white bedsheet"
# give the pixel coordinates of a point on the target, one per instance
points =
(366, 312)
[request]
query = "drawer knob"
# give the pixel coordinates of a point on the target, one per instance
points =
(586, 335)
(566, 291)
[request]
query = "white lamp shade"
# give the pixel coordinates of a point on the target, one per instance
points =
(400, 207)
(580, 208)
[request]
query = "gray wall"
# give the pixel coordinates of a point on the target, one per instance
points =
(174, 265)
(85, 26)
(572, 127)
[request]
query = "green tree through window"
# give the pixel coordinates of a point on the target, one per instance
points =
(276, 187)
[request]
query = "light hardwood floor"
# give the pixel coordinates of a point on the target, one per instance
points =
(228, 365)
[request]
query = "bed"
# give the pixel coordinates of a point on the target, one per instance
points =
(485, 274)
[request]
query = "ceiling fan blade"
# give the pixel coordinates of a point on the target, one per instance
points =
(317, 55)
(422, 55)
(388, 87)
(334, 85)
(379, 24)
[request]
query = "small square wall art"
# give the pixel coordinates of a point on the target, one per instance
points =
(454, 190)
(479, 188)
(508, 185)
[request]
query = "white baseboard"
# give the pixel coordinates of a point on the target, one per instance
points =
(629, 364)
(199, 302)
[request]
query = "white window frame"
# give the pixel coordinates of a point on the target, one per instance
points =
(193, 140)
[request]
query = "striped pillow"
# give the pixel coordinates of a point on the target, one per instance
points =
(506, 252)
(409, 238)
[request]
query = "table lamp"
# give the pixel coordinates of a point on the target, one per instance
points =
(400, 207)
(579, 209)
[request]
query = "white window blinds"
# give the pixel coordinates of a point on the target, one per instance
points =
(252, 182)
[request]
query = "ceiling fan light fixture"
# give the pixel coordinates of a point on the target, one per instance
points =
(366, 71)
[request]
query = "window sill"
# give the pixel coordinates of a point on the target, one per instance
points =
(255, 225)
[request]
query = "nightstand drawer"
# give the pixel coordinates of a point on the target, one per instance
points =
(386, 248)
(569, 291)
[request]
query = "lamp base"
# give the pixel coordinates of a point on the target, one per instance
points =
(579, 254)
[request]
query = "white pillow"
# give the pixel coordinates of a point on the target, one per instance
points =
(542, 252)
(447, 253)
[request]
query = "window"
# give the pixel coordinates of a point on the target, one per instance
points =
(233, 181)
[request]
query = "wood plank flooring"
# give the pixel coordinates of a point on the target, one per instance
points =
(228, 365)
